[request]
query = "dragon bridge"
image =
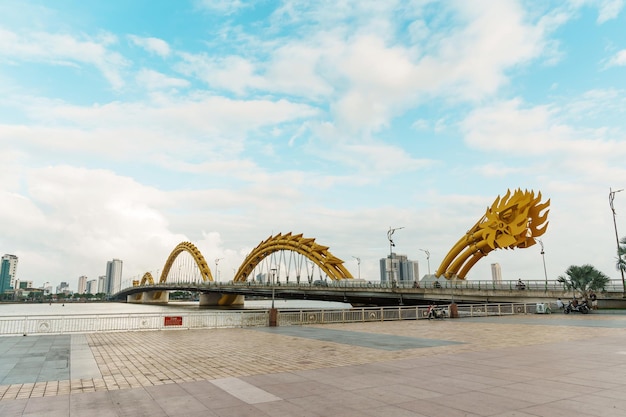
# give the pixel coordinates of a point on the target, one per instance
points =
(327, 262)
(513, 221)
(318, 254)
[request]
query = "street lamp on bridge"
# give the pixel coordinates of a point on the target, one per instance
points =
(391, 246)
(621, 266)
(358, 262)
(543, 258)
(427, 258)
(272, 278)
(217, 272)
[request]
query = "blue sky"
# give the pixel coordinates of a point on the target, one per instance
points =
(128, 127)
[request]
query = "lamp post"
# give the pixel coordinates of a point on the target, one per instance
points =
(427, 258)
(391, 246)
(358, 262)
(621, 270)
(217, 272)
(543, 258)
(273, 276)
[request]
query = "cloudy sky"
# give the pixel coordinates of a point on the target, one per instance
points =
(130, 126)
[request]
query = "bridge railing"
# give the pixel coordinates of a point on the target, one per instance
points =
(91, 323)
(512, 285)
(369, 314)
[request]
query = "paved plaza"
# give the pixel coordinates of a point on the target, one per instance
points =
(517, 366)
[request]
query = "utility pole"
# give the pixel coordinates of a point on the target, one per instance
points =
(621, 269)
(391, 246)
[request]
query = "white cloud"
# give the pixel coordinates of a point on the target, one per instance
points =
(153, 45)
(154, 80)
(506, 126)
(609, 9)
(617, 60)
(202, 125)
(88, 216)
(63, 49)
(541, 132)
(231, 73)
(222, 6)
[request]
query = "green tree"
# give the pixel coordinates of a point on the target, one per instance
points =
(583, 278)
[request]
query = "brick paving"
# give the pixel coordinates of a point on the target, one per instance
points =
(530, 365)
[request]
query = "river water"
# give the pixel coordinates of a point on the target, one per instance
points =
(78, 308)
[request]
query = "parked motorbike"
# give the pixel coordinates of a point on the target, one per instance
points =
(580, 308)
(435, 312)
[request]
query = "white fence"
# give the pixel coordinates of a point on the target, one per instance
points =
(61, 324)
(65, 324)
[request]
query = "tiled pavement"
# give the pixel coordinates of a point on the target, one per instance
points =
(521, 366)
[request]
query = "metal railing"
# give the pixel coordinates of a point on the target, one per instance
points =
(67, 324)
(92, 323)
(612, 286)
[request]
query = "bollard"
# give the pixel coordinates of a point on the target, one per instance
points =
(454, 311)
(273, 317)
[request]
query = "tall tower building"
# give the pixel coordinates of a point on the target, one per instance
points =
(64, 288)
(102, 284)
(82, 284)
(496, 273)
(92, 287)
(114, 276)
(399, 269)
(8, 269)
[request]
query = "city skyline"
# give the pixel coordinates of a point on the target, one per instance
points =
(129, 127)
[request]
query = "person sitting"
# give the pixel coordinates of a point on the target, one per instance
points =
(520, 285)
(559, 303)
(574, 302)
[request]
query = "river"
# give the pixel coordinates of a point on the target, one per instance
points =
(78, 308)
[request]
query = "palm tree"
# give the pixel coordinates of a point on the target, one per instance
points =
(621, 255)
(583, 278)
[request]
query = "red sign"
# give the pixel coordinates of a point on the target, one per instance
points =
(173, 320)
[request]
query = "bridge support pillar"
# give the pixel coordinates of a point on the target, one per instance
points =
(210, 299)
(135, 298)
(155, 297)
(215, 299)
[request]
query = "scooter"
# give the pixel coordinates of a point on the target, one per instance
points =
(580, 308)
(435, 313)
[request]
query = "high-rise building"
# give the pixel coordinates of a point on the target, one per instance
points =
(47, 288)
(82, 284)
(496, 273)
(114, 276)
(399, 269)
(8, 269)
(102, 284)
(64, 288)
(22, 285)
(92, 287)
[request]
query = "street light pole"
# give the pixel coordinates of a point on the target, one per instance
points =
(217, 272)
(543, 257)
(391, 245)
(273, 276)
(427, 258)
(358, 262)
(621, 270)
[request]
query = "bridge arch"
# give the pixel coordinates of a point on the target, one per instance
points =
(197, 256)
(326, 261)
(147, 278)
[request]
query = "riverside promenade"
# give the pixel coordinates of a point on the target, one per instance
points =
(513, 366)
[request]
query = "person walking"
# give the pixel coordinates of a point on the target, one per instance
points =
(594, 300)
